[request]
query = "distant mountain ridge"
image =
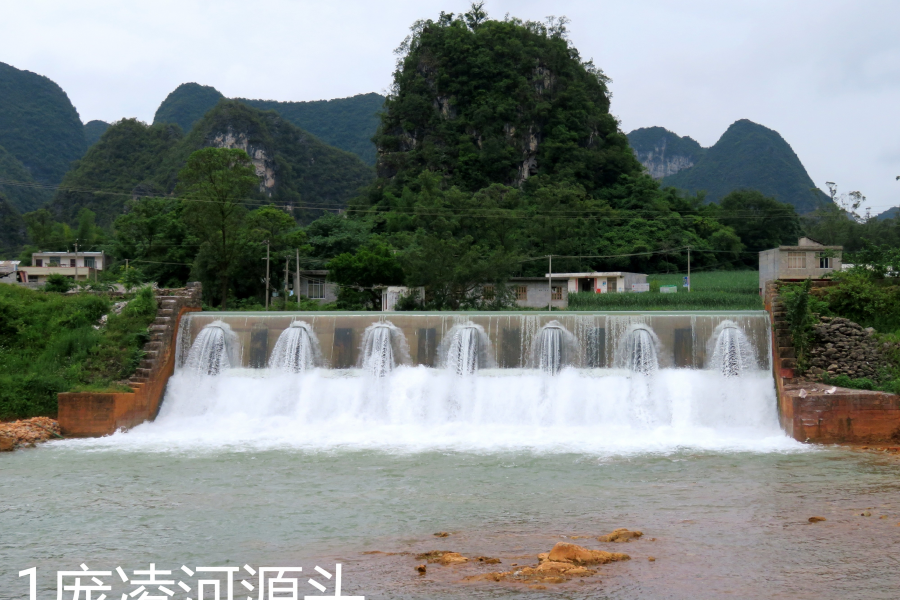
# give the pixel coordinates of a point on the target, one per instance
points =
(133, 159)
(39, 126)
(345, 123)
(747, 156)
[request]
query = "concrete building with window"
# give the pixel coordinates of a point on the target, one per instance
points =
(535, 292)
(809, 259)
(312, 284)
(80, 266)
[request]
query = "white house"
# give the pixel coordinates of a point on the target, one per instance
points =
(80, 266)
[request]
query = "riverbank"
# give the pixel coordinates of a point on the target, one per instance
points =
(27, 432)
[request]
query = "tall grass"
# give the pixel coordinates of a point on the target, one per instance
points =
(714, 290)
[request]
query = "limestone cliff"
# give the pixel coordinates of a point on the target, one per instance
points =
(662, 152)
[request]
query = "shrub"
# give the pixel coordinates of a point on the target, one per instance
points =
(58, 283)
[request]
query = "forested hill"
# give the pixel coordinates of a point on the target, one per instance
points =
(93, 130)
(345, 123)
(38, 124)
(21, 192)
(747, 156)
(12, 230)
(132, 158)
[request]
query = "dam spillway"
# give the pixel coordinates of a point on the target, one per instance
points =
(583, 382)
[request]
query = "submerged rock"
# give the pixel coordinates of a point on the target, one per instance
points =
(443, 557)
(620, 535)
(817, 519)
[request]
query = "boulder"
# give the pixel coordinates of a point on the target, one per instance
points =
(573, 553)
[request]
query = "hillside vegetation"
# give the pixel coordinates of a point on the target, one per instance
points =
(93, 130)
(12, 230)
(345, 123)
(134, 159)
(38, 124)
(48, 344)
(19, 187)
(750, 156)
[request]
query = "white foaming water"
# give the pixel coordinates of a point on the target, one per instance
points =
(214, 351)
(383, 348)
(417, 408)
(466, 349)
(638, 350)
(554, 348)
(297, 349)
(732, 353)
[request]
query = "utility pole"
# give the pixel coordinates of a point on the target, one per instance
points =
(267, 275)
(689, 269)
(297, 279)
(76, 263)
(550, 283)
(286, 261)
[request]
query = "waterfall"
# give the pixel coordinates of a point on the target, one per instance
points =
(465, 349)
(554, 348)
(732, 353)
(213, 351)
(383, 348)
(297, 349)
(637, 350)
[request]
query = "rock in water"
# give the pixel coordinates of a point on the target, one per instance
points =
(620, 535)
(563, 552)
(817, 519)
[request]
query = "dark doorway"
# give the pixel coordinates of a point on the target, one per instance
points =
(587, 285)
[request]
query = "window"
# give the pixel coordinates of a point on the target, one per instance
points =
(796, 260)
(72, 262)
(89, 262)
(487, 292)
(39, 262)
(33, 278)
(521, 292)
(54, 262)
(556, 293)
(825, 262)
(317, 289)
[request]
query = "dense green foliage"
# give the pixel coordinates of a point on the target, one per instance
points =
(711, 290)
(762, 223)
(17, 185)
(38, 124)
(750, 156)
(345, 123)
(834, 225)
(186, 105)
(12, 230)
(499, 102)
(48, 345)
(93, 130)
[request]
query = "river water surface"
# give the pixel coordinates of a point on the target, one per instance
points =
(326, 468)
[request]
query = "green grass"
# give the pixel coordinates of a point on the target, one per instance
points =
(48, 344)
(713, 290)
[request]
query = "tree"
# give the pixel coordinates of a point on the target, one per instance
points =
(58, 283)
(215, 183)
(153, 233)
(759, 221)
(363, 275)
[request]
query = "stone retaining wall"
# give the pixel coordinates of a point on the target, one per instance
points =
(807, 412)
(91, 414)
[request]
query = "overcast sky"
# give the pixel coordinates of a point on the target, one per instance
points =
(824, 73)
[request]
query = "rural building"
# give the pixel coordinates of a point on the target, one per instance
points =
(312, 284)
(809, 259)
(603, 283)
(534, 292)
(74, 265)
